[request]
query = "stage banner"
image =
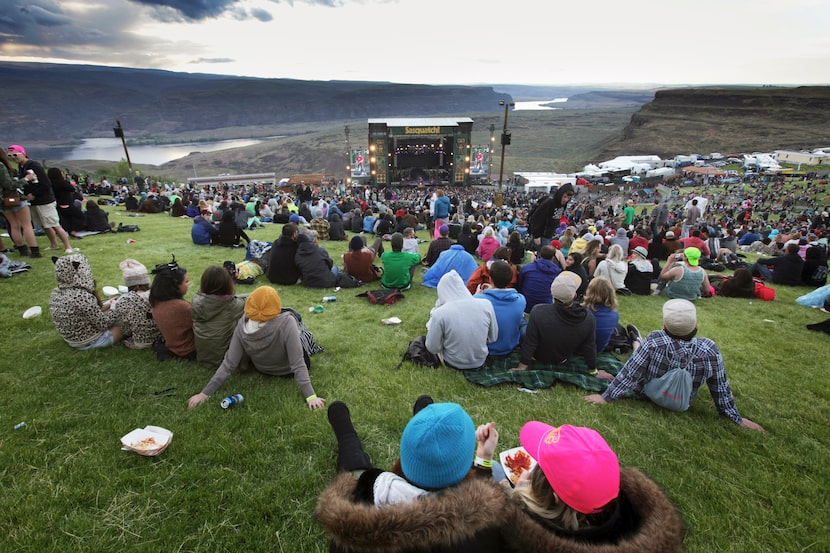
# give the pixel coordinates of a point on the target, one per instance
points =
(359, 161)
(480, 161)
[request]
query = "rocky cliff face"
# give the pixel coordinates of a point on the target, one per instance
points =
(727, 120)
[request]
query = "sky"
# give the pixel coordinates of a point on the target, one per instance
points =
(541, 42)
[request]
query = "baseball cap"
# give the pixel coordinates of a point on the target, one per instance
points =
(692, 255)
(679, 317)
(564, 286)
(579, 465)
(15, 148)
(670, 234)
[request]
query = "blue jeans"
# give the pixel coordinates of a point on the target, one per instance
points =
(762, 270)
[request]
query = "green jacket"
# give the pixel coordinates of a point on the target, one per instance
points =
(214, 318)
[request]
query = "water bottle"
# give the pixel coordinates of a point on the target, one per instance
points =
(329, 298)
(230, 401)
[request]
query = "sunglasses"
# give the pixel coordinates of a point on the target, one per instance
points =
(14, 154)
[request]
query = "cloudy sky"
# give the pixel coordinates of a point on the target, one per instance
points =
(435, 41)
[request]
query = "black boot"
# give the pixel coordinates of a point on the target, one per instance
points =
(350, 454)
(422, 402)
(24, 250)
(35, 252)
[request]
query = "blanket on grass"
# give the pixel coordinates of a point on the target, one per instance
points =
(496, 370)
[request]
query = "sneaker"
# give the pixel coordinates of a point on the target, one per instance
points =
(422, 402)
(633, 333)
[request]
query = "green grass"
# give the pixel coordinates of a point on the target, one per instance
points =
(247, 479)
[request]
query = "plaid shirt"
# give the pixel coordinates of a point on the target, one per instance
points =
(659, 353)
(322, 228)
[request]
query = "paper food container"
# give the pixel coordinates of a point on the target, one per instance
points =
(33, 312)
(148, 441)
(110, 290)
(123, 289)
(515, 462)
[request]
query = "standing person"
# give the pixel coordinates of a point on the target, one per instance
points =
(628, 213)
(18, 216)
(691, 217)
(41, 197)
(133, 308)
(172, 313)
(460, 326)
(270, 339)
(441, 215)
(659, 216)
(215, 311)
(675, 346)
(70, 214)
(548, 213)
(79, 315)
(557, 331)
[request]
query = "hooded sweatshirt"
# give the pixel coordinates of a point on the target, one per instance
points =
(615, 271)
(74, 305)
(274, 348)
(460, 326)
(509, 306)
(556, 332)
(214, 320)
(454, 259)
(314, 264)
(535, 279)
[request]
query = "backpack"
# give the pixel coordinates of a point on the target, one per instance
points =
(671, 391)
(345, 280)
(383, 296)
(819, 274)
(620, 341)
(418, 353)
(127, 228)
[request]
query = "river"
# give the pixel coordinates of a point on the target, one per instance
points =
(111, 149)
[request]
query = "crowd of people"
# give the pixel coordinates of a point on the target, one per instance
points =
(534, 276)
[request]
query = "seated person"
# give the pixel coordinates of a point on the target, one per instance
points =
(440, 244)
(613, 267)
(95, 218)
(488, 244)
(171, 312)
(319, 224)
(784, 269)
(460, 326)
(215, 311)
(398, 265)
(455, 259)
(601, 300)
(270, 339)
(536, 277)
(336, 230)
(557, 331)
(640, 272)
(133, 308)
(317, 269)
(508, 305)
(683, 278)
(203, 232)
(79, 315)
(230, 232)
(282, 267)
(359, 260)
(814, 272)
(481, 276)
(410, 241)
(665, 349)
(739, 285)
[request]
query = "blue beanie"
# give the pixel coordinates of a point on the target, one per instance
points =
(294, 218)
(437, 446)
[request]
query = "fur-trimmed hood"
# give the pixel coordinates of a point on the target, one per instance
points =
(474, 508)
(437, 521)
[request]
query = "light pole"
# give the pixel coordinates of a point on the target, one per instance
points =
(505, 140)
(119, 133)
(349, 161)
(490, 154)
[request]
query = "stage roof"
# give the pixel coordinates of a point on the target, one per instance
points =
(421, 121)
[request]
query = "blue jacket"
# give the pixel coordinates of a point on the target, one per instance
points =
(454, 258)
(535, 280)
(202, 231)
(509, 306)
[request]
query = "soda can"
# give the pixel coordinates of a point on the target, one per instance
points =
(230, 401)
(329, 298)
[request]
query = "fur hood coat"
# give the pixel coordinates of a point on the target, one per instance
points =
(477, 515)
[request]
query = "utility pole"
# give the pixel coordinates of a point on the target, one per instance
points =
(119, 133)
(505, 140)
(348, 160)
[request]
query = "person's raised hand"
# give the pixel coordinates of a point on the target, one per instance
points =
(487, 438)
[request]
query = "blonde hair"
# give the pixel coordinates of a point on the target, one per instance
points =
(567, 238)
(488, 232)
(615, 253)
(591, 250)
(539, 499)
(600, 291)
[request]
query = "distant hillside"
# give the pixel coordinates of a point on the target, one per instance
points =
(726, 120)
(57, 102)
